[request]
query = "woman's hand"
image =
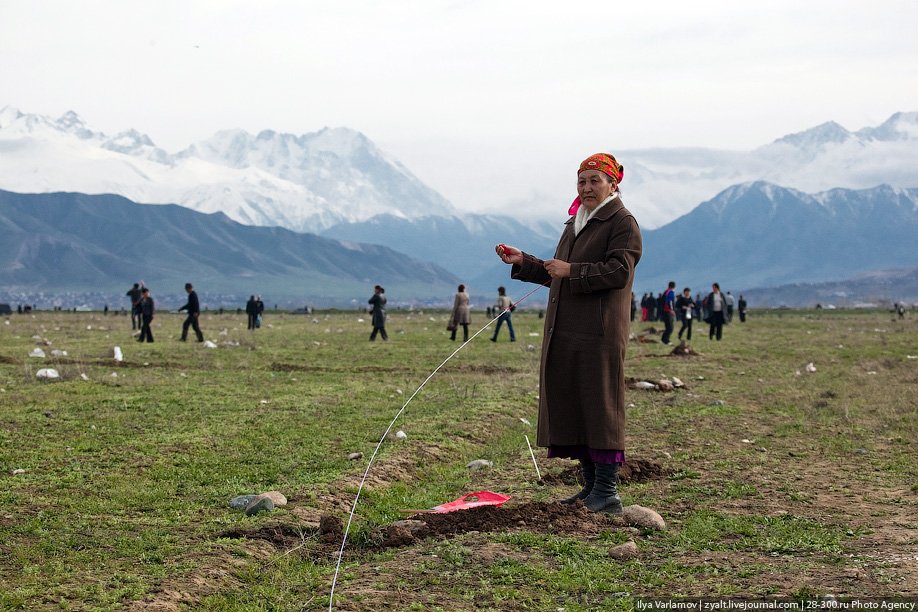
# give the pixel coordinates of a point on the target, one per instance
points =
(557, 268)
(509, 254)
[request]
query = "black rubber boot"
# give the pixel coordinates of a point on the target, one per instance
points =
(604, 496)
(588, 469)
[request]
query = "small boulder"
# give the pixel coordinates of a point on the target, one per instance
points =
(643, 517)
(47, 373)
(417, 528)
(277, 497)
(37, 352)
(623, 552)
(259, 504)
(354, 456)
(241, 502)
(479, 464)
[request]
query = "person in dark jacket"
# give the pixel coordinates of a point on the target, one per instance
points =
(378, 312)
(716, 308)
(587, 323)
(741, 304)
(146, 316)
(685, 308)
(135, 293)
(194, 310)
(251, 309)
(259, 308)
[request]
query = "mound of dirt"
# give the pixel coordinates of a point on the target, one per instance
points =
(281, 536)
(683, 350)
(536, 517)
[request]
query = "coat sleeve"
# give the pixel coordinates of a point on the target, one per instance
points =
(532, 270)
(623, 251)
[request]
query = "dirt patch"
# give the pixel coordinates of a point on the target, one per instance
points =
(280, 535)
(9, 360)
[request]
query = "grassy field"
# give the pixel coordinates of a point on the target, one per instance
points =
(115, 479)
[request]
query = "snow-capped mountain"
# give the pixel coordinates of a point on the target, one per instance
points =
(663, 184)
(305, 183)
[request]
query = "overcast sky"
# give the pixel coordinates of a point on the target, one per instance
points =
(489, 102)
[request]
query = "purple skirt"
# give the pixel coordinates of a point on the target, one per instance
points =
(585, 453)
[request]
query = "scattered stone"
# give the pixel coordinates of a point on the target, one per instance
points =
(47, 413)
(241, 502)
(37, 352)
(665, 385)
(59, 353)
(525, 421)
(117, 354)
(643, 384)
(18, 471)
(354, 456)
(277, 497)
(810, 367)
(479, 464)
(209, 344)
(401, 435)
(259, 504)
(623, 552)
(83, 376)
(643, 517)
(717, 403)
(677, 383)
(47, 373)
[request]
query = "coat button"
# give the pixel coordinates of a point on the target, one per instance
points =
(552, 300)
(549, 329)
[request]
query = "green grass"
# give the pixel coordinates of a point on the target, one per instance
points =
(126, 482)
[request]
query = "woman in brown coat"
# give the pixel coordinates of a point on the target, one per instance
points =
(461, 314)
(582, 380)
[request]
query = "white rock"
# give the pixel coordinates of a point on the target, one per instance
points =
(59, 353)
(677, 383)
(114, 374)
(479, 464)
(47, 373)
(360, 321)
(643, 517)
(643, 384)
(525, 420)
(401, 435)
(83, 376)
(223, 332)
(119, 356)
(354, 456)
(37, 352)
(18, 471)
(209, 344)
(810, 367)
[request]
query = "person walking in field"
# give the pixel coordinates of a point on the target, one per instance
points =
(685, 308)
(194, 310)
(505, 305)
(135, 293)
(461, 315)
(251, 310)
(146, 316)
(716, 307)
(669, 313)
(378, 313)
(741, 305)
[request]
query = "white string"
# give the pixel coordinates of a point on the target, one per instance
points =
(350, 518)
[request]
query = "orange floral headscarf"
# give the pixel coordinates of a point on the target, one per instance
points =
(606, 164)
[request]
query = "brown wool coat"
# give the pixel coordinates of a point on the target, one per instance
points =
(582, 378)
(461, 313)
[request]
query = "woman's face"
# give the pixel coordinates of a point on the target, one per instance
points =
(593, 187)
